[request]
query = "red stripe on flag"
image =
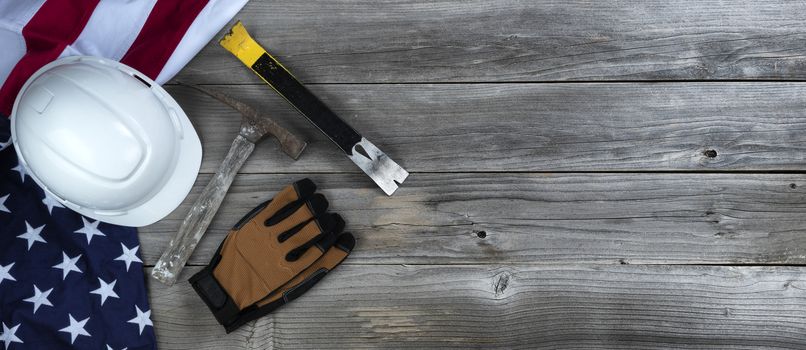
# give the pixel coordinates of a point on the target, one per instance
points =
(58, 23)
(161, 33)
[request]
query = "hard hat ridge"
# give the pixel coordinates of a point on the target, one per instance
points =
(105, 140)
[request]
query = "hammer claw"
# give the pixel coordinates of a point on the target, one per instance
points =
(256, 125)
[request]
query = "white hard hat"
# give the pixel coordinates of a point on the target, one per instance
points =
(105, 140)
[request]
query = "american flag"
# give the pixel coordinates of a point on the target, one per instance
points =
(67, 281)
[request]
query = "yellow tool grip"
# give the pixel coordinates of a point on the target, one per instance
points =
(241, 44)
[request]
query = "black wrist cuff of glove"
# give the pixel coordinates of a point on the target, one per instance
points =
(224, 308)
(216, 298)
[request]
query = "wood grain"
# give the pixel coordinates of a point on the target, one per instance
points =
(541, 218)
(531, 127)
(512, 307)
(578, 169)
(392, 41)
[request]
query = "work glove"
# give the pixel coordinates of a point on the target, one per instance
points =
(276, 252)
(300, 283)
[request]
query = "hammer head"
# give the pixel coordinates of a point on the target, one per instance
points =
(255, 125)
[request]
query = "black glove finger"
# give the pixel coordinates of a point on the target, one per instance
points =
(330, 225)
(296, 192)
(345, 242)
(305, 188)
(330, 238)
(299, 211)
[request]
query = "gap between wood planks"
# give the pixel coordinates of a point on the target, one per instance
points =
(524, 82)
(559, 172)
(548, 264)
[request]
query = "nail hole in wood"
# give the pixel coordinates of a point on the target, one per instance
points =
(481, 234)
(710, 153)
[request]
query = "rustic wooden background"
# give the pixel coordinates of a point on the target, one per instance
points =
(585, 174)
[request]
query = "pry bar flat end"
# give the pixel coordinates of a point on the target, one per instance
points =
(378, 166)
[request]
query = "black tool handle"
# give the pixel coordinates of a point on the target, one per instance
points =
(306, 103)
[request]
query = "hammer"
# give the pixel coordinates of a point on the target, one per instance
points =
(254, 127)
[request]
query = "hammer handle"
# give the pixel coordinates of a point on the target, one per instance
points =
(201, 214)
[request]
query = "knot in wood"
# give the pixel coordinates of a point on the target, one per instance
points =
(501, 282)
(710, 153)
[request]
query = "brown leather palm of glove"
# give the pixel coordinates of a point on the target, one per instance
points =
(276, 252)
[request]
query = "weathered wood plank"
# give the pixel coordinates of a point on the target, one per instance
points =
(532, 127)
(355, 41)
(512, 307)
(542, 218)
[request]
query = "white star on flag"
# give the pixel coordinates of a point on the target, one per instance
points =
(4, 274)
(3, 203)
(142, 319)
(68, 264)
(90, 229)
(8, 336)
(32, 234)
(20, 169)
(129, 255)
(51, 202)
(3, 145)
(106, 290)
(110, 348)
(75, 328)
(40, 298)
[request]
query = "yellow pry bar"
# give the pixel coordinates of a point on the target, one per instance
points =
(242, 45)
(380, 168)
